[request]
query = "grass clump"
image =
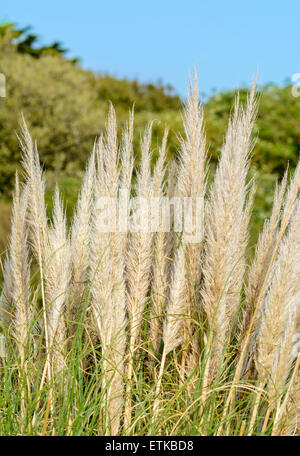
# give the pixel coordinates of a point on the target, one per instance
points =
(111, 327)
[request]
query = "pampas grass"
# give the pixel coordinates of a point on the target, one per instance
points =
(80, 239)
(17, 270)
(160, 260)
(37, 219)
(57, 283)
(17, 277)
(191, 184)
(114, 326)
(226, 231)
(107, 277)
(139, 260)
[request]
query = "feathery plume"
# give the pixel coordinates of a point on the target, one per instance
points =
(80, 236)
(160, 260)
(57, 283)
(37, 218)
(192, 184)
(263, 251)
(289, 204)
(18, 268)
(138, 260)
(140, 246)
(107, 270)
(279, 324)
(226, 230)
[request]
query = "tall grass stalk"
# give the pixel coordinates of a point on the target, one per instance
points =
(37, 219)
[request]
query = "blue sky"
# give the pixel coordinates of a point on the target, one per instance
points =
(162, 40)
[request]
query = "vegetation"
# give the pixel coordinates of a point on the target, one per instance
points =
(26, 43)
(42, 83)
(141, 331)
(136, 332)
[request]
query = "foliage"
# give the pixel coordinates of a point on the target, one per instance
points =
(73, 100)
(277, 127)
(27, 43)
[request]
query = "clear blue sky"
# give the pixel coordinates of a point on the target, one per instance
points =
(150, 39)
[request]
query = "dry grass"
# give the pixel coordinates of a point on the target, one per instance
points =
(156, 331)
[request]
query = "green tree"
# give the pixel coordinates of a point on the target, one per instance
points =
(27, 43)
